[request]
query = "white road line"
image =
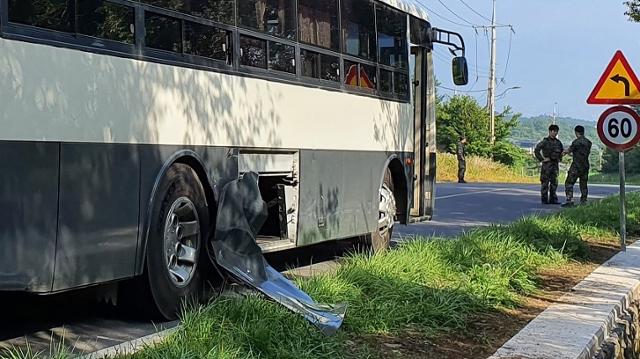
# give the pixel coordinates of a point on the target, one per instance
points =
(472, 193)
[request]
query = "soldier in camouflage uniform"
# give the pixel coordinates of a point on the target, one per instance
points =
(549, 153)
(461, 152)
(580, 149)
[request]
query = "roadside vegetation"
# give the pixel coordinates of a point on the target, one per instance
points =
(481, 169)
(613, 178)
(423, 289)
(499, 162)
(402, 299)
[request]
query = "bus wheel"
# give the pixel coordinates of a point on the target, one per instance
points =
(381, 238)
(176, 252)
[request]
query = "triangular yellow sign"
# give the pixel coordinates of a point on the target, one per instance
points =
(617, 85)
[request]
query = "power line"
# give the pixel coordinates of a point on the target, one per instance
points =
(456, 15)
(443, 17)
(474, 11)
(456, 90)
(445, 60)
(506, 66)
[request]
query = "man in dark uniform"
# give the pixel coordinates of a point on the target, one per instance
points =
(549, 153)
(580, 149)
(461, 152)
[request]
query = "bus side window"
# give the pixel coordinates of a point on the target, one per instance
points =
(49, 14)
(163, 32)
(274, 17)
(358, 29)
(206, 41)
(216, 10)
(282, 57)
(386, 81)
(392, 37)
(401, 84)
(318, 23)
(253, 52)
(106, 21)
(368, 77)
(320, 66)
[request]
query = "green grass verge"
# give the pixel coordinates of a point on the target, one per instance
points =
(480, 169)
(427, 287)
(613, 178)
(430, 287)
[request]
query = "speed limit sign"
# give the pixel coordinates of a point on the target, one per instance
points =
(619, 128)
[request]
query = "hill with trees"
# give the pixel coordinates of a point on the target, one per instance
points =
(531, 130)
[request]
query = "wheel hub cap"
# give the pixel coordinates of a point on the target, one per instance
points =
(181, 241)
(386, 210)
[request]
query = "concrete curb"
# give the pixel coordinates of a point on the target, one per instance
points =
(132, 346)
(578, 324)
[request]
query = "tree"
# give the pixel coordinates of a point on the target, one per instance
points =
(631, 161)
(634, 10)
(462, 115)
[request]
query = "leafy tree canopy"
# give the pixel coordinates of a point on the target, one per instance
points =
(462, 115)
(634, 10)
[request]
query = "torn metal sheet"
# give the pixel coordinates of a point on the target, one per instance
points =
(241, 214)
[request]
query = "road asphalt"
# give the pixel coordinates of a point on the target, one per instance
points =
(461, 207)
(87, 326)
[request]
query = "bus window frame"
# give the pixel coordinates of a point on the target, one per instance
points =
(138, 50)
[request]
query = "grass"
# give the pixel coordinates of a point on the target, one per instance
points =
(58, 351)
(424, 287)
(427, 287)
(480, 169)
(613, 178)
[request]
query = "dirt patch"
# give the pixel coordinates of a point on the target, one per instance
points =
(489, 331)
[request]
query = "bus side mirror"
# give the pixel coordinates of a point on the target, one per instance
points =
(460, 70)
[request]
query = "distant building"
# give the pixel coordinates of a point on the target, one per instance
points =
(526, 145)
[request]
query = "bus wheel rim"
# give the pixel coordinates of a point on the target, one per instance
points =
(386, 210)
(181, 241)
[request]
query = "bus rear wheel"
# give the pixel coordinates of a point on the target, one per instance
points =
(176, 251)
(381, 238)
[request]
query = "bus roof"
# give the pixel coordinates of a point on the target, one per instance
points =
(413, 7)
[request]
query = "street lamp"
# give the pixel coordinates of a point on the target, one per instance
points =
(493, 114)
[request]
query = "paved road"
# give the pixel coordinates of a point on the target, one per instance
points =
(87, 326)
(461, 207)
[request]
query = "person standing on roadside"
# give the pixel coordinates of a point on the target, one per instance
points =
(549, 153)
(580, 149)
(461, 152)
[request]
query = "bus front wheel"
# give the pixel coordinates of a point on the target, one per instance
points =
(381, 238)
(176, 251)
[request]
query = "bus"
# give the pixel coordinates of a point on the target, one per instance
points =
(122, 120)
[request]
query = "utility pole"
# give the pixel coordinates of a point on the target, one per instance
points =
(555, 113)
(491, 92)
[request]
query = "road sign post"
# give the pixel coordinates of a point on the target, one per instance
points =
(619, 126)
(623, 205)
(619, 129)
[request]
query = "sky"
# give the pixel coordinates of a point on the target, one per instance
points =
(558, 52)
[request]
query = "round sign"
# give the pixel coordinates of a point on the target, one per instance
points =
(619, 128)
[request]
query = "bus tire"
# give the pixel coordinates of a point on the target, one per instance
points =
(381, 237)
(176, 258)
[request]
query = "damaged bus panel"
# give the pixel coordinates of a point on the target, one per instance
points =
(241, 215)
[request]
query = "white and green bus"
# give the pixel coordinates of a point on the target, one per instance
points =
(121, 120)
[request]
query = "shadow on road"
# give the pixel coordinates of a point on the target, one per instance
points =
(84, 323)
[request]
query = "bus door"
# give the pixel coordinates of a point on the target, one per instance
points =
(424, 162)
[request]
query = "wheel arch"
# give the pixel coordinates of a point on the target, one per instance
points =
(193, 160)
(400, 186)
